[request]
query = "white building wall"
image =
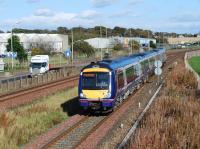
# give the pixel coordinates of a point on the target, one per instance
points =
(58, 43)
(98, 43)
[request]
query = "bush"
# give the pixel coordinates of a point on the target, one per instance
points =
(82, 47)
(118, 47)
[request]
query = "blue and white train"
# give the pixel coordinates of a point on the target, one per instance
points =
(104, 84)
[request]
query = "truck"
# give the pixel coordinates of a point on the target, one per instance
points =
(39, 64)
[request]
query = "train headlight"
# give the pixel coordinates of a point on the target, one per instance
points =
(108, 95)
(82, 95)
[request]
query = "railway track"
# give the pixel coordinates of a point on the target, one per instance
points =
(91, 128)
(28, 95)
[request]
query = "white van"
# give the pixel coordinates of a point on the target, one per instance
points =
(39, 64)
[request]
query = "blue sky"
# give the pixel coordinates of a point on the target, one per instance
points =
(181, 16)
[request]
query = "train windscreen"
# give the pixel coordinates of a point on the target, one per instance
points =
(95, 81)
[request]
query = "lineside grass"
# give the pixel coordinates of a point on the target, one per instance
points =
(174, 119)
(195, 63)
(20, 125)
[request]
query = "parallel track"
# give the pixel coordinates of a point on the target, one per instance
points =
(28, 95)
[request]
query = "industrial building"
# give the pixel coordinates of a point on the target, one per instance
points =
(54, 42)
(109, 42)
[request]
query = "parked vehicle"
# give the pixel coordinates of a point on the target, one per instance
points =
(39, 64)
(105, 84)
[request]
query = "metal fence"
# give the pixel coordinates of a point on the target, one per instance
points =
(25, 81)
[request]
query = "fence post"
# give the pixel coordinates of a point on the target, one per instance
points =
(1, 85)
(21, 82)
(38, 80)
(42, 77)
(26, 80)
(7, 85)
(15, 83)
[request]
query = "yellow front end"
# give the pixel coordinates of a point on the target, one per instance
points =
(95, 95)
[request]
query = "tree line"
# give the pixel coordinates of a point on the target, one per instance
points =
(81, 33)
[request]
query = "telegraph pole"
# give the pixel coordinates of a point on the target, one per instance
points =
(11, 39)
(100, 45)
(72, 45)
(107, 38)
(131, 42)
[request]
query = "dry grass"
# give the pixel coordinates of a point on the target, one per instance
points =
(18, 126)
(174, 120)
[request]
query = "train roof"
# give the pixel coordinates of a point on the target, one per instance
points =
(127, 60)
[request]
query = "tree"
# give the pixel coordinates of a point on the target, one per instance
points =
(83, 47)
(17, 47)
(41, 48)
(135, 45)
(118, 47)
(152, 45)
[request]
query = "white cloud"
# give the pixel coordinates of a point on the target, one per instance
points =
(103, 3)
(90, 14)
(44, 12)
(46, 18)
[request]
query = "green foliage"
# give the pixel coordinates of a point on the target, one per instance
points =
(17, 47)
(82, 47)
(135, 45)
(118, 47)
(152, 45)
(38, 51)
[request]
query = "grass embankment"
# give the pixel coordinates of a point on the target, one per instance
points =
(19, 125)
(195, 63)
(174, 119)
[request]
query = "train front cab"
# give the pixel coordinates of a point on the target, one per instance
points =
(95, 89)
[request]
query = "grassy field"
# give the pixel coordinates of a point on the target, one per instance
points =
(195, 63)
(174, 120)
(18, 126)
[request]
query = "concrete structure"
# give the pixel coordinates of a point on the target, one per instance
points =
(111, 41)
(54, 42)
(183, 40)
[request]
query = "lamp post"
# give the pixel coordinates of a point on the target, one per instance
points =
(101, 45)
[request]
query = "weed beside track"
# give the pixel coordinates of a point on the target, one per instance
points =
(174, 120)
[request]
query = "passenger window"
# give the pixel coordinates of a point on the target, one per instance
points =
(120, 80)
(137, 70)
(130, 74)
